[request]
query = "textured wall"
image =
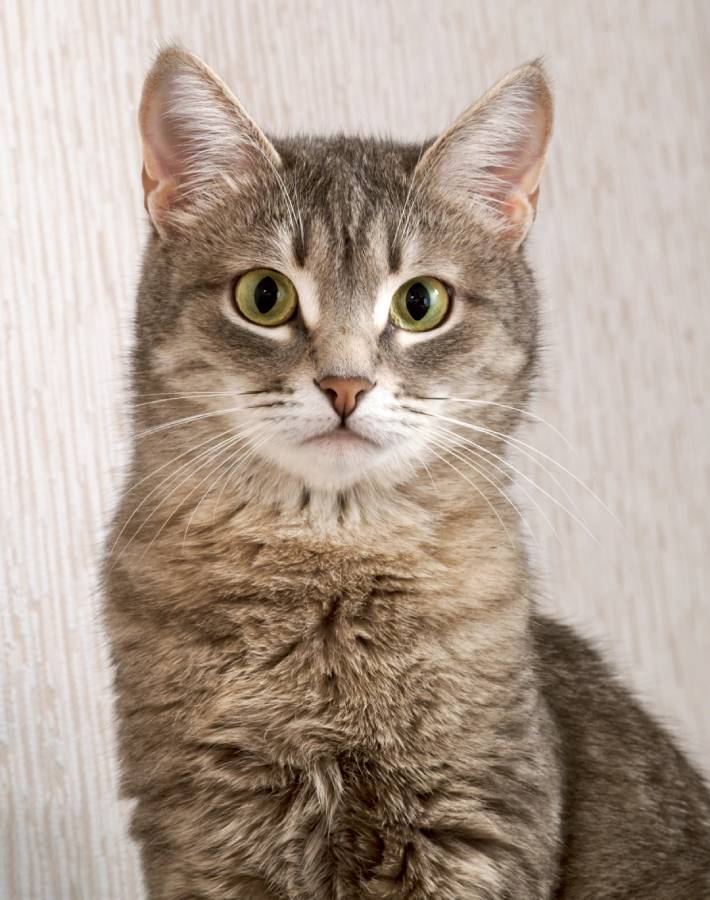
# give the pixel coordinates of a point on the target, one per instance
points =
(621, 247)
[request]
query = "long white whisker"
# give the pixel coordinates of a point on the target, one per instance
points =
(201, 393)
(523, 444)
(209, 453)
(207, 415)
(297, 221)
(297, 204)
(238, 439)
(556, 481)
(192, 395)
(479, 449)
(468, 446)
(523, 412)
(476, 488)
(210, 440)
(422, 182)
(228, 462)
(228, 474)
(409, 192)
(498, 488)
(209, 477)
(431, 477)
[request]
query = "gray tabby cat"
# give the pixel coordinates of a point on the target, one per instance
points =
(331, 678)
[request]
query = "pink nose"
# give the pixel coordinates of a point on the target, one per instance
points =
(344, 393)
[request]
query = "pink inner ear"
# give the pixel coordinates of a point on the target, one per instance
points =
(155, 169)
(515, 184)
(493, 155)
(193, 130)
(519, 190)
(522, 170)
(160, 169)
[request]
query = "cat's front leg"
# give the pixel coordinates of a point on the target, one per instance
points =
(490, 833)
(430, 867)
(172, 884)
(181, 864)
(170, 881)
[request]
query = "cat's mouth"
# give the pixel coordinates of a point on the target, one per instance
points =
(341, 437)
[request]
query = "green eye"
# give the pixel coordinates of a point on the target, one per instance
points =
(265, 297)
(420, 304)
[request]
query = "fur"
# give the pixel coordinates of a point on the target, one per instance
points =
(331, 679)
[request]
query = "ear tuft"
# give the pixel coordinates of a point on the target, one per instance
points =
(492, 157)
(194, 134)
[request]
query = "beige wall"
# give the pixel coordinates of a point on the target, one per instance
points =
(621, 246)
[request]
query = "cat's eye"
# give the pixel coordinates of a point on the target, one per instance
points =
(420, 304)
(265, 297)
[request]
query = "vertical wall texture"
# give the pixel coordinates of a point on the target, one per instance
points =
(620, 245)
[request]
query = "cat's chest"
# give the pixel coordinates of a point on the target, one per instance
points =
(329, 670)
(330, 673)
(322, 825)
(329, 736)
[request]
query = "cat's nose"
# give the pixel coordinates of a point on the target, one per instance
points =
(344, 393)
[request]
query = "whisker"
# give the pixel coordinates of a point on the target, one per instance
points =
(193, 395)
(451, 435)
(230, 472)
(422, 182)
(237, 440)
(476, 488)
(498, 488)
(155, 429)
(209, 453)
(208, 393)
(227, 462)
(480, 449)
(297, 221)
(431, 477)
(518, 409)
(556, 481)
(520, 444)
(213, 472)
(191, 449)
(409, 192)
(210, 440)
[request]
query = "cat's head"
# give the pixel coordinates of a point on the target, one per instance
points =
(335, 307)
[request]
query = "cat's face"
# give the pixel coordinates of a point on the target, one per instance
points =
(347, 303)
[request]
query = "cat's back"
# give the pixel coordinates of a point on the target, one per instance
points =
(636, 814)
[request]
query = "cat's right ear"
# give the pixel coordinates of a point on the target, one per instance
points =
(196, 135)
(492, 157)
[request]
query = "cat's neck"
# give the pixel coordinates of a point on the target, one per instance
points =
(436, 542)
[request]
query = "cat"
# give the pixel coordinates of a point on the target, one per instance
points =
(331, 677)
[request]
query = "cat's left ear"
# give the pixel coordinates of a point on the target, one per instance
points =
(492, 157)
(196, 138)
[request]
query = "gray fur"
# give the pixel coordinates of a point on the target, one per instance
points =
(344, 691)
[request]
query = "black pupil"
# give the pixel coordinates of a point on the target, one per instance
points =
(418, 301)
(266, 294)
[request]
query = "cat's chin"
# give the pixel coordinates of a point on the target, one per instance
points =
(333, 460)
